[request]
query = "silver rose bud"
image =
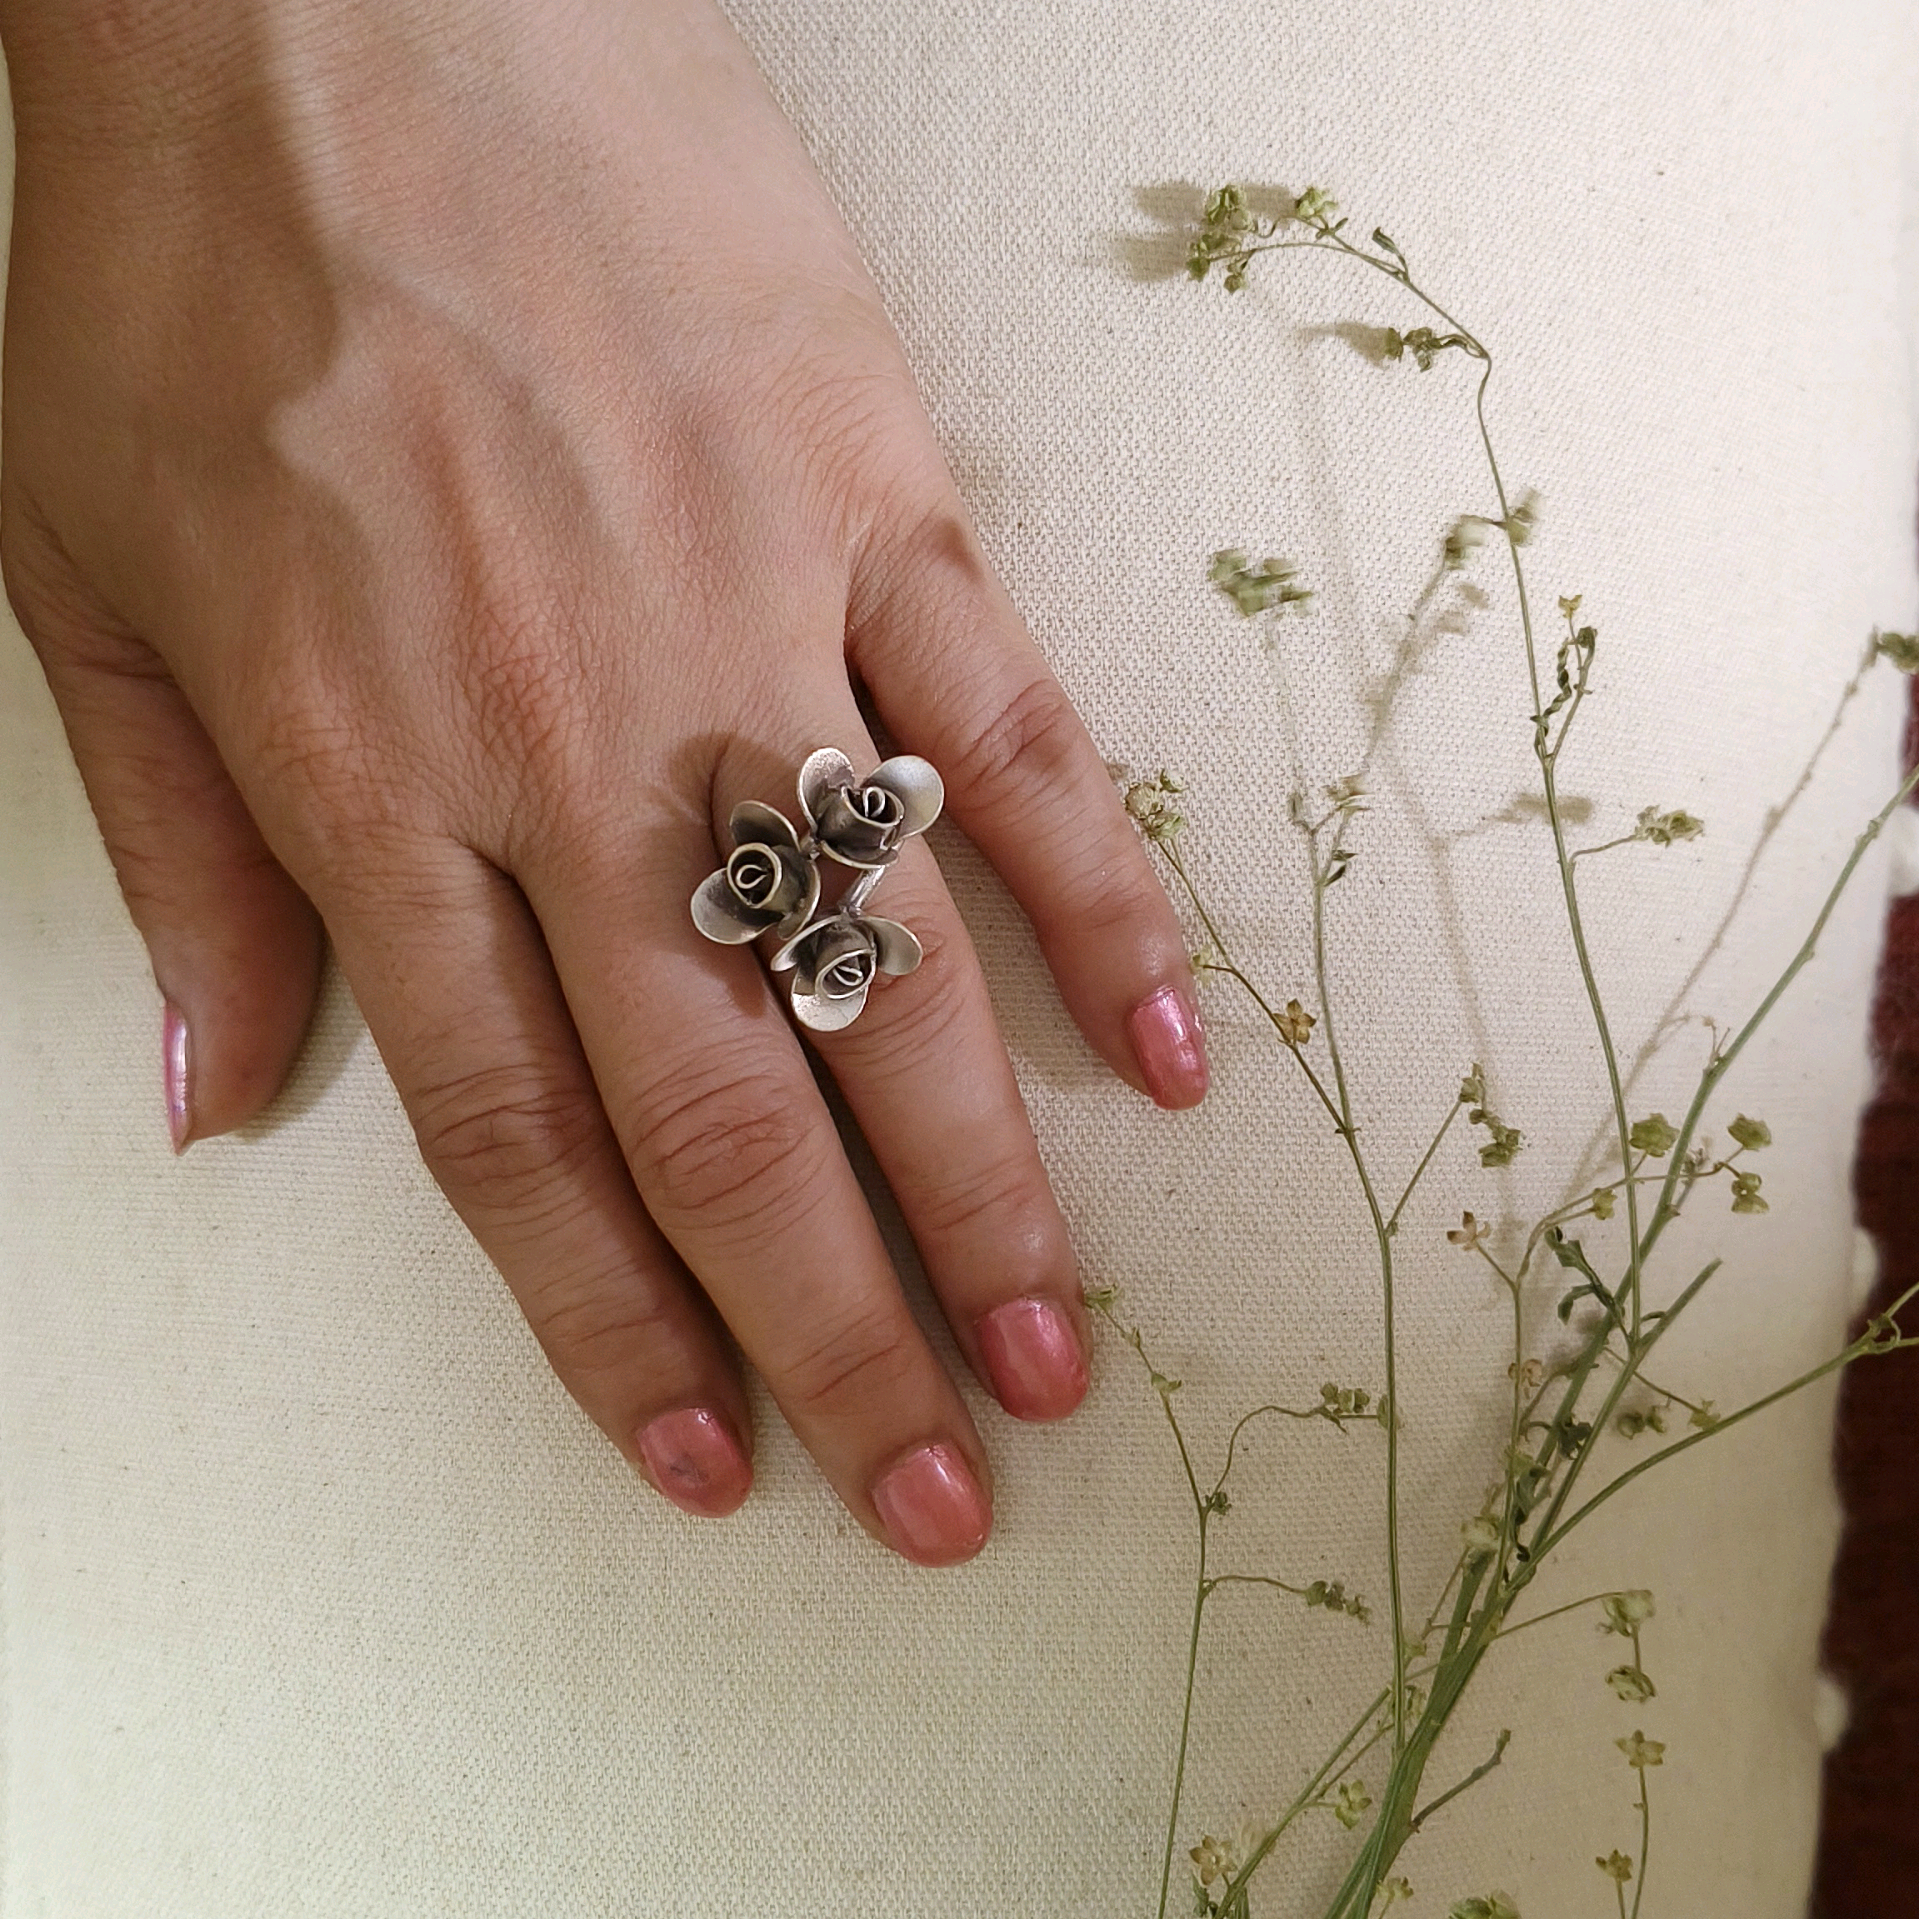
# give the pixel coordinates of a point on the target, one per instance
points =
(834, 965)
(767, 883)
(863, 822)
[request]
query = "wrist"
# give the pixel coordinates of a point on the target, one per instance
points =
(105, 79)
(113, 88)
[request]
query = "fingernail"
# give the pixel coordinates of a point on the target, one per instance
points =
(932, 1507)
(696, 1462)
(1170, 1045)
(1035, 1362)
(173, 1054)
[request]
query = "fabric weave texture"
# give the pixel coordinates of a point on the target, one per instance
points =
(320, 1597)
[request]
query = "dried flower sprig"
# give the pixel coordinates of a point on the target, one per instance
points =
(1566, 1404)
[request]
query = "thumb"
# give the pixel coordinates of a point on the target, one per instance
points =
(235, 945)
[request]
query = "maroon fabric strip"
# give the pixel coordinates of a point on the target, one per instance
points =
(1869, 1836)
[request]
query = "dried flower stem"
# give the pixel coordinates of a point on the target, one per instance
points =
(1549, 1445)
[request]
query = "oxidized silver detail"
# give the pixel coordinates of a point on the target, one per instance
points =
(862, 822)
(771, 881)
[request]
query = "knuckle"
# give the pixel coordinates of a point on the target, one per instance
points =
(1027, 744)
(1112, 900)
(863, 1358)
(522, 678)
(922, 567)
(37, 587)
(846, 417)
(595, 1329)
(506, 1142)
(325, 773)
(733, 1150)
(1006, 1197)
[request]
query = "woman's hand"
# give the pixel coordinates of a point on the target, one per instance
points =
(453, 454)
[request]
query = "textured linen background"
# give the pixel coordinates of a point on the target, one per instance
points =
(320, 1597)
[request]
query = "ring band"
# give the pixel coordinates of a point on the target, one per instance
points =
(771, 881)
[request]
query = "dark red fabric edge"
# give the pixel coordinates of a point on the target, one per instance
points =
(1868, 1860)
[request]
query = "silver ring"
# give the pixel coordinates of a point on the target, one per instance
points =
(771, 881)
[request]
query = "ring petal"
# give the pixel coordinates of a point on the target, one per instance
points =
(895, 946)
(825, 1015)
(916, 784)
(755, 824)
(794, 924)
(823, 772)
(719, 914)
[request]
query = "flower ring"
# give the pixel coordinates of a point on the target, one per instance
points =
(771, 881)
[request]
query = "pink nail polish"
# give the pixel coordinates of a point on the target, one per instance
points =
(1170, 1045)
(696, 1462)
(173, 1055)
(933, 1507)
(1035, 1363)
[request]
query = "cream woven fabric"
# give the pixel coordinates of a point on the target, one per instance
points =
(319, 1597)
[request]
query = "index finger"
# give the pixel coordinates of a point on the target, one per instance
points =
(958, 680)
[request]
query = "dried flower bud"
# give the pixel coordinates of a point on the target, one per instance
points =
(1642, 1752)
(1495, 1905)
(1469, 1234)
(1146, 801)
(1631, 1684)
(1481, 1536)
(1519, 522)
(1504, 1142)
(1212, 1861)
(1466, 537)
(1901, 649)
(1616, 1866)
(1350, 1801)
(1344, 1402)
(1745, 1194)
(1627, 1611)
(1662, 829)
(1750, 1133)
(1295, 1024)
(1257, 589)
(1654, 1135)
(1315, 207)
